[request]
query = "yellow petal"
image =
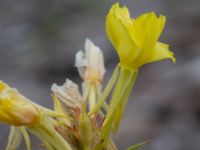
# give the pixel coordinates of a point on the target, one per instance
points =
(3, 86)
(147, 28)
(134, 39)
(119, 37)
(161, 51)
(121, 13)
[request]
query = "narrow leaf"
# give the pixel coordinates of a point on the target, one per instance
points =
(134, 147)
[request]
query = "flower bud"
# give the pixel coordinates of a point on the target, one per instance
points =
(15, 109)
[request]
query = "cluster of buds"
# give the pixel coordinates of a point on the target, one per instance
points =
(68, 126)
(85, 120)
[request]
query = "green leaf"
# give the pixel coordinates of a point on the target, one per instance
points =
(134, 147)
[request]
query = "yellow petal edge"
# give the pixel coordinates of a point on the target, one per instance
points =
(136, 40)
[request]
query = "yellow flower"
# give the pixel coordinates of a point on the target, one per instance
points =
(136, 40)
(15, 109)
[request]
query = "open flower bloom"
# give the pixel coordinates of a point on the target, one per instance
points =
(136, 40)
(91, 63)
(15, 109)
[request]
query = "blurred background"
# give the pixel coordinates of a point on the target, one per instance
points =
(39, 40)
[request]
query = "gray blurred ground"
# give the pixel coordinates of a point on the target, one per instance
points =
(38, 41)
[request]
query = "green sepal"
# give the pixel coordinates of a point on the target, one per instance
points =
(118, 101)
(26, 137)
(122, 105)
(14, 138)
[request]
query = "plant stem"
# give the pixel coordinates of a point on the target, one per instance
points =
(106, 92)
(92, 95)
(46, 133)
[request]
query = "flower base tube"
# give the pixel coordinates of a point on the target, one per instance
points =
(118, 101)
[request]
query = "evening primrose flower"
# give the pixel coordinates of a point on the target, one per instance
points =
(136, 40)
(91, 63)
(15, 109)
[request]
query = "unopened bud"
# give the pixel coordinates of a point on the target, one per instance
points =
(15, 109)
